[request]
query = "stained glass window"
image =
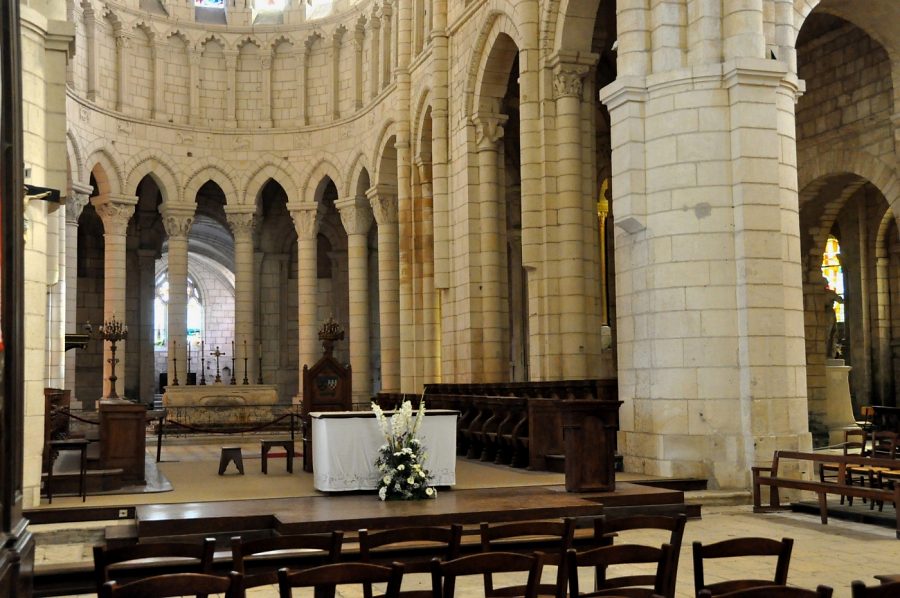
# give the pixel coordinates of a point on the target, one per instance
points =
(209, 3)
(831, 270)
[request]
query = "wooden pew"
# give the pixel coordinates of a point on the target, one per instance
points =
(771, 476)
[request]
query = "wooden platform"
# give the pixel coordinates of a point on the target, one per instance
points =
(351, 512)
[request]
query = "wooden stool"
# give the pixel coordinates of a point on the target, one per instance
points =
(288, 445)
(68, 444)
(231, 453)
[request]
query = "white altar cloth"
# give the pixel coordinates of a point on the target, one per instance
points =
(346, 443)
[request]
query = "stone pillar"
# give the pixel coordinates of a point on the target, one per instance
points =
(302, 82)
(566, 350)
(178, 225)
(306, 222)
(384, 208)
(115, 211)
(267, 63)
(374, 86)
(123, 41)
(231, 88)
(356, 215)
(196, 116)
(242, 225)
(359, 36)
(386, 12)
(90, 35)
(75, 203)
(158, 109)
(144, 331)
(492, 250)
(335, 60)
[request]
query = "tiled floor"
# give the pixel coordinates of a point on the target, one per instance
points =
(833, 554)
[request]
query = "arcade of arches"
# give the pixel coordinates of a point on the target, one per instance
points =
(481, 190)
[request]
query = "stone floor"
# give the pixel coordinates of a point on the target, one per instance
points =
(833, 554)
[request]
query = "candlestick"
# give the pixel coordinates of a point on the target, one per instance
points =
(113, 331)
(233, 373)
(174, 363)
(188, 381)
(246, 381)
(202, 364)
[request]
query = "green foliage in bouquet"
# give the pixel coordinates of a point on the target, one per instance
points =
(401, 460)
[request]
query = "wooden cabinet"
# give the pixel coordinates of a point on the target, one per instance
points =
(123, 429)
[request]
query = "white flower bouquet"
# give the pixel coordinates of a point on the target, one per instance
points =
(401, 459)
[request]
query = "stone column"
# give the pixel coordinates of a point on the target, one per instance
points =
(123, 41)
(158, 110)
(302, 80)
(567, 353)
(386, 41)
(115, 211)
(359, 36)
(335, 60)
(243, 225)
(231, 88)
(306, 222)
(75, 203)
(90, 35)
(374, 86)
(356, 215)
(492, 256)
(178, 225)
(144, 331)
(196, 116)
(384, 208)
(267, 63)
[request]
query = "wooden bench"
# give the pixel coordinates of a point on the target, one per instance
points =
(842, 486)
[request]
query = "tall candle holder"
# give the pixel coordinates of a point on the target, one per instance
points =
(188, 381)
(202, 365)
(113, 331)
(175, 363)
(259, 379)
(233, 371)
(246, 381)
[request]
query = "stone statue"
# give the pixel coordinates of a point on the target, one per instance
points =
(833, 346)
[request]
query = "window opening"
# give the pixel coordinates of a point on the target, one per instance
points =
(832, 271)
(194, 328)
(209, 3)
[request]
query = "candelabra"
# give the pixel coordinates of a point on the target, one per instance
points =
(113, 331)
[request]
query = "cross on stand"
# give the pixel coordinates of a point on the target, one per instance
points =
(217, 354)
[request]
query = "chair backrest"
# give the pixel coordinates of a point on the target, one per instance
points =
(325, 577)
(773, 592)
(444, 573)
(175, 584)
(198, 559)
(553, 538)
(259, 560)
(885, 590)
(740, 547)
(854, 441)
(606, 529)
(603, 557)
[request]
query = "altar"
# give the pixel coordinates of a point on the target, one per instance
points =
(346, 443)
(220, 395)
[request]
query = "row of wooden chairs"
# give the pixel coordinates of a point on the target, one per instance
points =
(859, 441)
(262, 562)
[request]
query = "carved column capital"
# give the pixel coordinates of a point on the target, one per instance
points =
(569, 71)
(384, 206)
(356, 215)
(488, 129)
(178, 223)
(231, 57)
(306, 221)
(123, 40)
(75, 203)
(241, 223)
(115, 212)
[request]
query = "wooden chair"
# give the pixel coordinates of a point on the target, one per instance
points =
(406, 545)
(774, 592)
(444, 573)
(885, 590)
(258, 561)
(553, 537)
(133, 562)
(175, 584)
(604, 557)
(739, 547)
(605, 530)
(326, 577)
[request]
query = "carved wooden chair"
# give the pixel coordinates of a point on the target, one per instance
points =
(406, 546)
(885, 590)
(741, 547)
(553, 537)
(444, 573)
(258, 561)
(606, 530)
(326, 577)
(633, 586)
(175, 584)
(774, 592)
(134, 562)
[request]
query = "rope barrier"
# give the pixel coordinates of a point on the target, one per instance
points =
(219, 431)
(68, 413)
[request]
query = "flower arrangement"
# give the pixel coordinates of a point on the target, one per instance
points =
(401, 459)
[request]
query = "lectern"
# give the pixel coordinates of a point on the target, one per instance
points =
(326, 386)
